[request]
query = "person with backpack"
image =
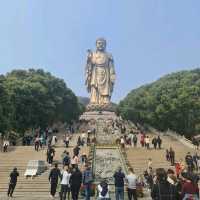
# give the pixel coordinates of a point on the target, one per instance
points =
(103, 190)
(50, 154)
(66, 160)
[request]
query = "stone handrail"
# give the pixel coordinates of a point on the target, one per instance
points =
(180, 138)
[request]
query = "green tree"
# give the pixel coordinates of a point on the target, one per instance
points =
(171, 102)
(36, 98)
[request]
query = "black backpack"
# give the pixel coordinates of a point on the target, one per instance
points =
(66, 160)
(104, 189)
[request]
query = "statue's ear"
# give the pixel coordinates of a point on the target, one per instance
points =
(90, 53)
(110, 57)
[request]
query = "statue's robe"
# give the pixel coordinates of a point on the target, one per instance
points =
(102, 78)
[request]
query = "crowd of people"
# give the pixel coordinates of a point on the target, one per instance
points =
(177, 183)
(131, 140)
(166, 185)
(76, 172)
(73, 174)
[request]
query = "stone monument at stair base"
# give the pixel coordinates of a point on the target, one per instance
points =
(101, 118)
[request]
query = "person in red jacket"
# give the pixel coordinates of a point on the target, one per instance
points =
(190, 188)
(142, 139)
(178, 168)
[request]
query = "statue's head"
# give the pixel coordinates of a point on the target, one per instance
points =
(101, 44)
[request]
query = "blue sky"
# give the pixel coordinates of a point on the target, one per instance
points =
(148, 38)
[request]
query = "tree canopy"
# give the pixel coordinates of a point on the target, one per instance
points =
(33, 98)
(172, 102)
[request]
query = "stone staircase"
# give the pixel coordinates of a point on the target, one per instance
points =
(38, 187)
(138, 157)
(28, 189)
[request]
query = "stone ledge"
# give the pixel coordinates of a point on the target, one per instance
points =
(98, 115)
(105, 107)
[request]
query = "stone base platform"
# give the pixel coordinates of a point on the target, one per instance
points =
(101, 107)
(98, 115)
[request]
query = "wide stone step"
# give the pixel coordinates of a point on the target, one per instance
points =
(138, 157)
(35, 188)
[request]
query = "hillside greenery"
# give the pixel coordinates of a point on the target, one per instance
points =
(172, 102)
(34, 98)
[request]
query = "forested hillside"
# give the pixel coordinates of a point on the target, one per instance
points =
(34, 98)
(171, 102)
(84, 100)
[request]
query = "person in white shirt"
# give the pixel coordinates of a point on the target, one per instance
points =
(54, 140)
(83, 135)
(122, 142)
(149, 165)
(5, 145)
(66, 141)
(131, 179)
(103, 190)
(74, 161)
(147, 142)
(65, 186)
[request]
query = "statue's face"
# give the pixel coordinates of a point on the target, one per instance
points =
(101, 45)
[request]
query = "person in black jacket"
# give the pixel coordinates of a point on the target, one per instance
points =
(76, 150)
(172, 156)
(119, 177)
(159, 141)
(75, 182)
(154, 142)
(189, 162)
(53, 179)
(66, 160)
(50, 154)
(163, 190)
(13, 181)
